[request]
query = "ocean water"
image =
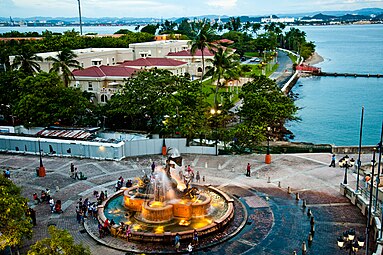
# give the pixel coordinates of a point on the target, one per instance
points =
(331, 106)
(101, 30)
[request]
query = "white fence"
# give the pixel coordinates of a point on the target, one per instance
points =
(96, 150)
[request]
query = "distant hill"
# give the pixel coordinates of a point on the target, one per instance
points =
(324, 15)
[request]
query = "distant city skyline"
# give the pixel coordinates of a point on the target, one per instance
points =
(174, 8)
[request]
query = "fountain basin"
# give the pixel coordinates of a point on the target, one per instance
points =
(212, 211)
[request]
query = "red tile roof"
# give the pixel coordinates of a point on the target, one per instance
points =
(153, 62)
(102, 71)
(225, 41)
(186, 53)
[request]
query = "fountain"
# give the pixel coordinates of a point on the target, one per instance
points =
(166, 203)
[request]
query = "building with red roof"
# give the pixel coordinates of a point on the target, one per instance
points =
(175, 66)
(102, 81)
(194, 62)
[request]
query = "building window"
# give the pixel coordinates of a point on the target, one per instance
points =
(199, 70)
(104, 98)
(96, 62)
(82, 64)
(90, 86)
(113, 62)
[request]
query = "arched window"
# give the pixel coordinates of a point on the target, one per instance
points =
(199, 69)
(104, 98)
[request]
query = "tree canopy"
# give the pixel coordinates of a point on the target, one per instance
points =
(14, 223)
(60, 242)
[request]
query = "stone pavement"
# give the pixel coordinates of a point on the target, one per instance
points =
(277, 222)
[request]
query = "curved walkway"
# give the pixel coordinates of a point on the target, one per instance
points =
(277, 223)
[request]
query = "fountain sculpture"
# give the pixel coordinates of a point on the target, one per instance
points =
(166, 203)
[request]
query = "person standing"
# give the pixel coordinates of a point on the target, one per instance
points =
(248, 168)
(177, 242)
(333, 158)
(71, 170)
(198, 177)
(153, 166)
(190, 248)
(52, 204)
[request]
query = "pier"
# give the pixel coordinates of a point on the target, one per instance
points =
(347, 75)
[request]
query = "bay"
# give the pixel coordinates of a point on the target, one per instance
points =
(331, 106)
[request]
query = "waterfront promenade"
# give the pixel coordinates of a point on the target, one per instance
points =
(277, 222)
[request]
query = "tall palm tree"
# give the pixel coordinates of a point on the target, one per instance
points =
(225, 65)
(27, 61)
(64, 60)
(203, 38)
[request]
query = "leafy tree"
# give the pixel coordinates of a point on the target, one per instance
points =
(60, 242)
(14, 223)
(234, 24)
(150, 29)
(185, 28)
(44, 100)
(264, 105)
(157, 101)
(168, 27)
(122, 31)
(256, 27)
(65, 60)
(202, 39)
(27, 61)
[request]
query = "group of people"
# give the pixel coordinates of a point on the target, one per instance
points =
(75, 174)
(189, 175)
(85, 209)
(190, 247)
(120, 183)
(45, 196)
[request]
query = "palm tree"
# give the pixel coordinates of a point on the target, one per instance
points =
(203, 37)
(225, 65)
(63, 62)
(27, 61)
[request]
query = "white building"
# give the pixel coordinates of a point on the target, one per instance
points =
(158, 49)
(89, 57)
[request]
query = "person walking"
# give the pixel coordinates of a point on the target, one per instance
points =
(198, 177)
(76, 177)
(333, 158)
(190, 248)
(248, 168)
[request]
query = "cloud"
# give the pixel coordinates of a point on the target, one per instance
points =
(222, 3)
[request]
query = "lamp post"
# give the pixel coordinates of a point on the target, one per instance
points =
(268, 156)
(370, 202)
(346, 163)
(79, 13)
(215, 114)
(41, 168)
(347, 242)
(359, 150)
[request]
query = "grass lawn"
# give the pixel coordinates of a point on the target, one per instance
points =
(209, 88)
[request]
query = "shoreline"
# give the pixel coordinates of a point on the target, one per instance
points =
(315, 58)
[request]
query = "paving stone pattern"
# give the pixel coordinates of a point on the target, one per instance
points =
(277, 222)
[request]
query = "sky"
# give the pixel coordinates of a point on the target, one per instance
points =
(174, 8)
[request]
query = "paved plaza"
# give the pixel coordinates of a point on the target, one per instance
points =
(276, 224)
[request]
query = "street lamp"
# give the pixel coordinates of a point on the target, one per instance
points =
(79, 13)
(346, 162)
(215, 114)
(41, 168)
(268, 156)
(348, 242)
